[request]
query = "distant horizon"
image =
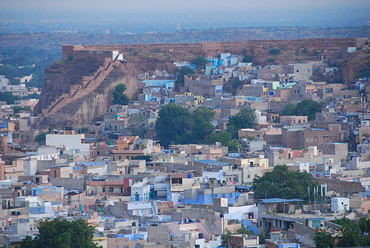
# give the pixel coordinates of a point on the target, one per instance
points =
(143, 33)
(48, 16)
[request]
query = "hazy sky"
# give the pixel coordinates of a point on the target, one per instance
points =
(120, 16)
(94, 5)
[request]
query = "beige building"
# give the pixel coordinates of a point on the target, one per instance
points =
(293, 120)
(181, 181)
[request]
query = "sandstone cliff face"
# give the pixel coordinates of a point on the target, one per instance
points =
(83, 97)
(96, 104)
(87, 105)
(60, 76)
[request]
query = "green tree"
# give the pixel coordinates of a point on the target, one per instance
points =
(235, 83)
(201, 124)
(18, 109)
(270, 60)
(176, 124)
(224, 237)
(274, 51)
(136, 125)
(118, 96)
(173, 122)
(147, 158)
(233, 145)
(309, 108)
(227, 233)
(28, 242)
(83, 130)
(246, 118)
(62, 234)
(290, 109)
(33, 96)
(283, 183)
(41, 139)
(9, 71)
(8, 97)
(224, 137)
(35, 82)
(353, 234)
(199, 62)
(365, 225)
(182, 72)
(247, 59)
(263, 238)
(323, 239)
(244, 230)
(304, 108)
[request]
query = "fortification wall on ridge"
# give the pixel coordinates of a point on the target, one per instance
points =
(209, 48)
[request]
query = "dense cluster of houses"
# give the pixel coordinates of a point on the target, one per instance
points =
(138, 194)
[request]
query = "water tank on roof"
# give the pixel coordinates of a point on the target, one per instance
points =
(201, 236)
(189, 175)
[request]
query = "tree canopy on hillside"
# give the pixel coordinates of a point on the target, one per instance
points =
(201, 124)
(304, 108)
(136, 125)
(62, 234)
(178, 125)
(172, 123)
(352, 234)
(118, 96)
(246, 118)
(8, 97)
(323, 239)
(199, 62)
(283, 183)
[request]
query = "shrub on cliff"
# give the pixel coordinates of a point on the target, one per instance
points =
(274, 51)
(118, 96)
(199, 62)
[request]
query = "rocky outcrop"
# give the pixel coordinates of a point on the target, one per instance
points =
(78, 89)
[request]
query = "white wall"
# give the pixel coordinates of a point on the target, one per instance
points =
(339, 204)
(68, 141)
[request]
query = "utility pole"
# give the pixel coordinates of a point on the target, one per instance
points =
(265, 193)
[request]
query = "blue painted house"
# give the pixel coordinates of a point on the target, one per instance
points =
(205, 196)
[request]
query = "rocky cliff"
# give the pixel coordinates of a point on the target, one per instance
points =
(78, 89)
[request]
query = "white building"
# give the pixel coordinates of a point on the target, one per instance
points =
(68, 141)
(339, 204)
(140, 192)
